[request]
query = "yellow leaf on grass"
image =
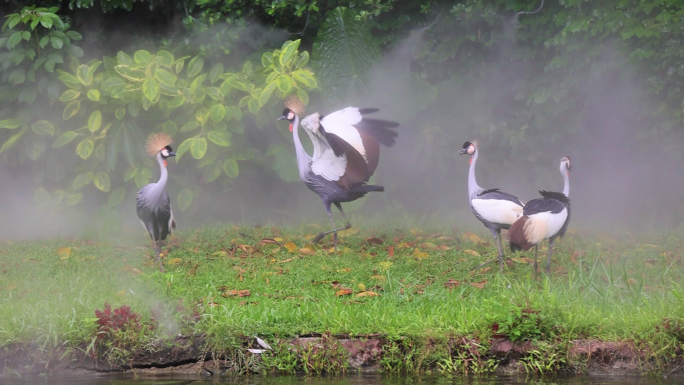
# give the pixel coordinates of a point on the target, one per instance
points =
(220, 253)
(344, 270)
(472, 252)
(64, 252)
(306, 251)
(277, 239)
(522, 260)
(361, 287)
(385, 265)
(420, 254)
(342, 292)
(428, 245)
(368, 294)
(472, 237)
(174, 261)
(379, 277)
(121, 293)
(11, 286)
(291, 247)
(286, 260)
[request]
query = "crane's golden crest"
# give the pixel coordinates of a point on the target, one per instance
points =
(295, 104)
(156, 142)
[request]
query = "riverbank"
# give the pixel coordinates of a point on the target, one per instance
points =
(389, 300)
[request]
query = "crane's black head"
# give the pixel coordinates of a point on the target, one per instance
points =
(288, 114)
(468, 148)
(167, 152)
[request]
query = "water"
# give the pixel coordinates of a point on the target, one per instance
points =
(361, 379)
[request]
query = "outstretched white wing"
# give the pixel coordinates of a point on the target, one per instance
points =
(341, 123)
(324, 162)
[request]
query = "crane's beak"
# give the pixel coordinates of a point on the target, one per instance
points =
(172, 154)
(463, 151)
(282, 117)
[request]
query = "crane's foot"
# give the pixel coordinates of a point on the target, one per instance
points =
(323, 234)
(161, 266)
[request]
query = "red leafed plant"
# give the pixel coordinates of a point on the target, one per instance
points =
(118, 320)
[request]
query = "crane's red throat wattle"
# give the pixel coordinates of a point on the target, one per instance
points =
(165, 163)
(470, 160)
(290, 127)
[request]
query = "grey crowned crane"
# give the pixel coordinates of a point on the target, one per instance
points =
(546, 217)
(153, 203)
(346, 151)
(494, 208)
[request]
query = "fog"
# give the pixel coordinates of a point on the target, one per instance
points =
(623, 179)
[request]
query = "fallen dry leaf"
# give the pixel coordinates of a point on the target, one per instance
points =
(220, 253)
(344, 270)
(428, 245)
(286, 260)
(269, 241)
(479, 285)
(385, 265)
(291, 247)
(132, 270)
(420, 254)
(174, 261)
(361, 287)
(306, 251)
(247, 248)
(390, 251)
(374, 241)
(472, 252)
(379, 277)
(212, 304)
(485, 270)
(472, 237)
(11, 286)
(367, 294)
(523, 260)
(452, 283)
(344, 291)
(233, 293)
(64, 252)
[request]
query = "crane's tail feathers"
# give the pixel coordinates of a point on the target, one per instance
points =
(516, 235)
(367, 188)
(364, 111)
(379, 130)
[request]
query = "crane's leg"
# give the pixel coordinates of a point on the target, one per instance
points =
(552, 240)
(157, 249)
(334, 231)
(535, 262)
(499, 247)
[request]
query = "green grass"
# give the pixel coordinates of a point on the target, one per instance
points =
(606, 288)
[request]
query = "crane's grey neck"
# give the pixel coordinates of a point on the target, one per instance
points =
(473, 188)
(566, 179)
(303, 159)
(152, 196)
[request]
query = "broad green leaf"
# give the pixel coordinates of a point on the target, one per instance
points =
(344, 52)
(141, 180)
(247, 67)
(129, 73)
(231, 168)
(151, 89)
(113, 83)
(64, 139)
(198, 148)
(82, 179)
(94, 95)
(242, 154)
(184, 199)
(212, 172)
(284, 83)
(17, 76)
(91, 70)
(265, 95)
(69, 95)
(101, 181)
(134, 107)
(69, 80)
(73, 199)
(288, 50)
(147, 103)
(82, 75)
(214, 93)
(130, 173)
(302, 59)
(267, 59)
(303, 96)
(100, 152)
(95, 121)
(120, 113)
(12, 140)
(34, 149)
(26, 35)
(57, 196)
(215, 73)
(189, 126)
(176, 102)
(195, 66)
(43, 127)
(117, 196)
(10, 123)
(42, 197)
(85, 148)
(235, 83)
(71, 109)
(124, 59)
(13, 40)
(165, 58)
(305, 78)
(165, 76)
(56, 42)
(165, 89)
(184, 147)
(170, 127)
(217, 112)
(220, 138)
(142, 57)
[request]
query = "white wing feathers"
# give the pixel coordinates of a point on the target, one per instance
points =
(341, 123)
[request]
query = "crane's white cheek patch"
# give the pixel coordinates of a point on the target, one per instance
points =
(544, 225)
(497, 211)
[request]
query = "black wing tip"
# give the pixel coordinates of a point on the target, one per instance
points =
(554, 195)
(381, 122)
(332, 142)
(370, 110)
